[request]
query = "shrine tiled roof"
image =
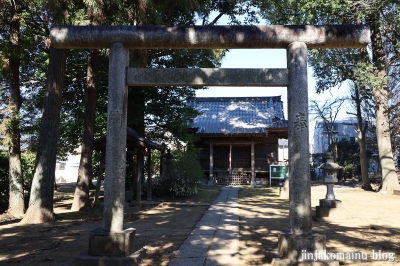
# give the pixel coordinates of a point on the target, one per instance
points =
(239, 115)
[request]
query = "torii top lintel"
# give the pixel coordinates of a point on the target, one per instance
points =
(209, 37)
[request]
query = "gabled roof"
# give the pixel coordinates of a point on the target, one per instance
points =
(239, 115)
(133, 140)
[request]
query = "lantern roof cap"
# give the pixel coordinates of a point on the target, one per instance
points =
(330, 164)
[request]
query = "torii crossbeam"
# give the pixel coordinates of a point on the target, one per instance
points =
(296, 39)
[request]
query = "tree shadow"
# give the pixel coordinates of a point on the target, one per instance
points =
(264, 216)
(161, 229)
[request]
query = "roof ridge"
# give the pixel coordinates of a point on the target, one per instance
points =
(243, 98)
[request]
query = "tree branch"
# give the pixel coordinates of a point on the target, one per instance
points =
(216, 18)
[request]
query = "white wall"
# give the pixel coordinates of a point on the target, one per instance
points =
(345, 130)
(283, 151)
(67, 171)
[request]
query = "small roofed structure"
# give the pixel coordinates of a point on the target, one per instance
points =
(238, 136)
(133, 141)
(135, 146)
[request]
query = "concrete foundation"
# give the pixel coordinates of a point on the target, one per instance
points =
(115, 244)
(326, 203)
(131, 260)
(326, 209)
(111, 249)
(324, 214)
(294, 249)
(291, 246)
(282, 262)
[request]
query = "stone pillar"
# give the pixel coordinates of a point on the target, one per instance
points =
(299, 165)
(110, 243)
(300, 238)
(114, 190)
(211, 181)
(253, 174)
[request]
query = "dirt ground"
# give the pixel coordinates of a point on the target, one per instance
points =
(367, 222)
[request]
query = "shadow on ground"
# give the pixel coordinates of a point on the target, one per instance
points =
(362, 225)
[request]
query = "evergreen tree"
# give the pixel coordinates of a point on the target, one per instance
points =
(40, 207)
(11, 21)
(378, 14)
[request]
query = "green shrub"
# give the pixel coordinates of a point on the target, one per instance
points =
(28, 160)
(28, 165)
(183, 178)
(349, 157)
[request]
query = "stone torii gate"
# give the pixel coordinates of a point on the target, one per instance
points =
(295, 39)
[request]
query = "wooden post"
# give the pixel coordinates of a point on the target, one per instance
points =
(253, 174)
(149, 180)
(134, 173)
(230, 159)
(162, 162)
(210, 181)
(139, 177)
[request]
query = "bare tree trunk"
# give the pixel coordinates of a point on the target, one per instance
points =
(361, 129)
(328, 113)
(366, 185)
(16, 205)
(389, 176)
(40, 208)
(99, 179)
(81, 196)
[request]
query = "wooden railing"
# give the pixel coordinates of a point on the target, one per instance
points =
(231, 179)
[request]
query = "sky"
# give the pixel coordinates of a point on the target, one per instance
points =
(264, 58)
(269, 58)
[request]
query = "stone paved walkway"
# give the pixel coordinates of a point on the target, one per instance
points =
(215, 239)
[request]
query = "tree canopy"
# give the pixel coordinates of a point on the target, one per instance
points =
(25, 56)
(366, 69)
(153, 111)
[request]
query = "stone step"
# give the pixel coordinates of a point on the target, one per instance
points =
(323, 212)
(326, 203)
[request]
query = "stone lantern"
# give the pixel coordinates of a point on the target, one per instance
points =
(168, 161)
(331, 170)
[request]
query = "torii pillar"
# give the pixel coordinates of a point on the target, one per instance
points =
(300, 238)
(296, 39)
